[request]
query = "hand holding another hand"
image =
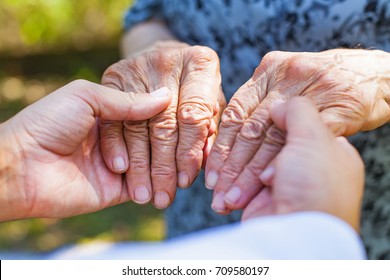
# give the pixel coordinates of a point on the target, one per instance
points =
(51, 164)
(350, 88)
(314, 171)
(167, 150)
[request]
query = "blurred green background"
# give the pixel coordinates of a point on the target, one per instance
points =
(43, 45)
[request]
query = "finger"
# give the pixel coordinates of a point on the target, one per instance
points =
(200, 86)
(138, 179)
(300, 118)
(241, 106)
(247, 143)
(261, 205)
(116, 155)
(356, 159)
(218, 203)
(344, 143)
(163, 135)
(207, 147)
(213, 128)
(155, 141)
(136, 135)
(268, 175)
(111, 104)
(113, 145)
(249, 183)
(213, 131)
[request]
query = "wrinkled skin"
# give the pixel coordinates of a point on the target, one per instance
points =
(348, 87)
(314, 171)
(51, 164)
(166, 151)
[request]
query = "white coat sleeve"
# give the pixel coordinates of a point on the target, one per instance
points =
(304, 235)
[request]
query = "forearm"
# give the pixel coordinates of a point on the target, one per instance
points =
(11, 190)
(144, 35)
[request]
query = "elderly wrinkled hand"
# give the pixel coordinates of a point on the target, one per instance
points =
(349, 87)
(50, 159)
(315, 171)
(167, 150)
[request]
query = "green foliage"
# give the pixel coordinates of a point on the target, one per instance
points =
(31, 26)
(123, 222)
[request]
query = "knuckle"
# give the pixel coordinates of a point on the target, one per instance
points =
(270, 62)
(201, 57)
(127, 75)
(110, 141)
(114, 68)
(203, 54)
(230, 172)
(253, 130)
(163, 129)
(162, 170)
(190, 156)
(267, 61)
(138, 162)
(134, 136)
(136, 128)
(110, 131)
(110, 136)
(253, 170)
(293, 65)
(233, 115)
(114, 75)
(272, 56)
(195, 113)
(275, 137)
(167, 60)
(220, 152)
(297, 66)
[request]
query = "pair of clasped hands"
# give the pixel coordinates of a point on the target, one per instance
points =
(153, 123)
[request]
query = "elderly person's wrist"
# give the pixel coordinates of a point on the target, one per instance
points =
(387, 100)
(160, 45)
(12, 194)
(384, 79)
(164, 44)
(139, 38)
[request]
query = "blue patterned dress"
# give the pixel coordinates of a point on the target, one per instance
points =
(242, 32)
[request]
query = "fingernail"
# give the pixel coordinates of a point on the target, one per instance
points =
(218, 204)
(211, 180)
(119, 164)
(141, 195)
(160, 93)
(233, 195)
(267, 174)
(161, 200)
(183, 180)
